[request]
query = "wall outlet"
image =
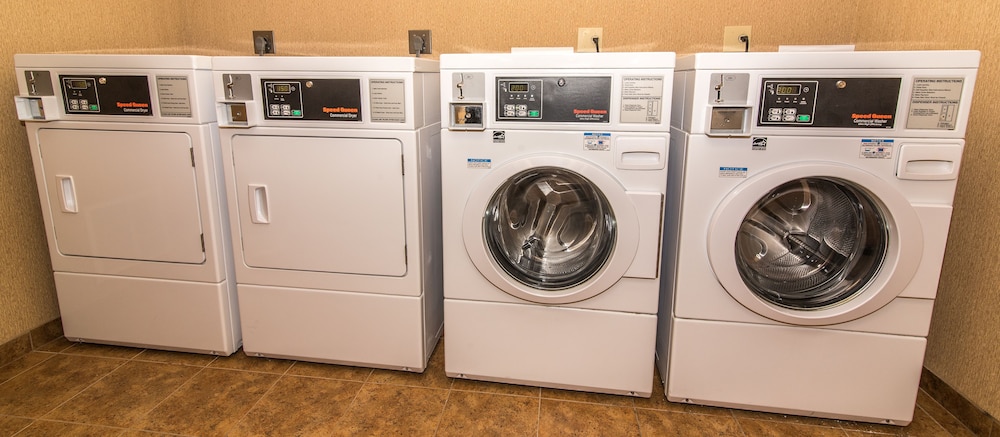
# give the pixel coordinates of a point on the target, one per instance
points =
(585, 39)
(731, 38)
(263, 42)
(419, 42)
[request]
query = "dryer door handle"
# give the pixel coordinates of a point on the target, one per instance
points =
(259, 212)
(67, 194)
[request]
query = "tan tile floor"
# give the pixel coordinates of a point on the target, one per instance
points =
(67, 389)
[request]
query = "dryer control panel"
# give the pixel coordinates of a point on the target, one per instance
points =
(312, 99)
(106, 95)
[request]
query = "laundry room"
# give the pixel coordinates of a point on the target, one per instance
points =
(280, 388)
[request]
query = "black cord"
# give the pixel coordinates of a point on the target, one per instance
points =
(745, 39)
(597, 45)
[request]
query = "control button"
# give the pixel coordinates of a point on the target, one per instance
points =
(286, 113)
(275, 107)
(534, 113)
(773, 117)
(522, 113)
(508, 107)
(84, 102)
(791, 111)
(73, 107)
(93, 107)
(286, 107)
(74, 102)
(522, 107)
(296, 112)
(789, 118)
(804, 118)
(774, 111)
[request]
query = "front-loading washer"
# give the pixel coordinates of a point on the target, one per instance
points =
(810, 200)
(333, 174)
(553, 178)
(129, 173)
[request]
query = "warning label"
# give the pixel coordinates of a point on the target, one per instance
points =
(876, 148)
(934, 102)
(732, 172)
(479, 162)
(596, 141)
(642, 99)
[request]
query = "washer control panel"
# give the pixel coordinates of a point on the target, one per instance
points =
(575, 99)
(787, 102)
(519, 99)
(829, 102)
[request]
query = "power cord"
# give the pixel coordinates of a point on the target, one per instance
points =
(745, 39)
(597, 44)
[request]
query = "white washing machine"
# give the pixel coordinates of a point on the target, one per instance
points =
(554, 174)
(333, 173)
(127, 161)
(810, 199)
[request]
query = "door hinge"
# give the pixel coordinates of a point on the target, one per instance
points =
(202, 242)
(192, 157)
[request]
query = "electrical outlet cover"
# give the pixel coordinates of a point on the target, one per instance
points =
(731, 38)
(585, 39)
(412, 41)
(263, 42)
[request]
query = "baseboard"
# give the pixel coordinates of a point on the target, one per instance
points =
(977, 420)
(30, 341)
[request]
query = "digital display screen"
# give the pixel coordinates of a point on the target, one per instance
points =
(281, 88)
(77, 84)
(520, 87)
(785, 89)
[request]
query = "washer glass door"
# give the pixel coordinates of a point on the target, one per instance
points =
(811, 243)
(549, 228)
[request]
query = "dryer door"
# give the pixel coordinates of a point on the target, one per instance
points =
(321, 204)
(122, 194)
(551, 229)
(815, 244)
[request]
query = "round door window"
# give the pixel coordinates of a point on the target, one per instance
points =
(549, 228)
(811, 243)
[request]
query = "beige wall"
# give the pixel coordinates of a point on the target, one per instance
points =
(964, 345)
(27, 293)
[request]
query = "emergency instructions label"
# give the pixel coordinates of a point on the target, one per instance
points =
(876, 148)
(642, 99)
(175, 99)
(934, 102)
(388, 102)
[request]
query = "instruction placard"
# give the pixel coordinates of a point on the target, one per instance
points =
(934, 102)
(175, 99)
(732, 172)
(642, 99)
(387, 100)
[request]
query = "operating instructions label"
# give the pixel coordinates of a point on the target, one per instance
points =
(642, 99)
(388, 100)
(175, 99)
(934, 103)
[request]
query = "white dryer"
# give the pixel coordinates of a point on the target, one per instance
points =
(553, 174)
(810, 200)
(333, 174)
(127, 161)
